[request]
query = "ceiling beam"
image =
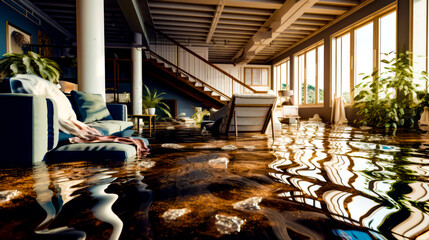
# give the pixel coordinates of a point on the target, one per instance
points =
(181, 6)
(172, 12)
(182, 24)
(46, 18)
(250, 11)
(172, 19)
(284, 17)
(349, 3)
(132, 13)
(215, 21)
(327, 9)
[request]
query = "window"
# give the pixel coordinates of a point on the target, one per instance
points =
(421, 38)
(256, 76)
(282, 75)
(309, 76)
(359, 51)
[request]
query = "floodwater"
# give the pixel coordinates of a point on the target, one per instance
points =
(314, 181)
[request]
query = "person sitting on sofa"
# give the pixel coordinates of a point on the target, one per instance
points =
(68, 122)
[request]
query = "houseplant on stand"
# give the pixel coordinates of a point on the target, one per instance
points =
(31, 63)
(152, 100)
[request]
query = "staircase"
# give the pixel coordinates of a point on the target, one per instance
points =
(198, 78)
(182, 81)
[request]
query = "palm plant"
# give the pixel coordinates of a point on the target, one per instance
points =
(31, 63)
(153, 99)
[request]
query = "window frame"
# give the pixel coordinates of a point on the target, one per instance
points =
(316, 68)
(375, 20)
(412, 31)
(278, 77)
(260, 76)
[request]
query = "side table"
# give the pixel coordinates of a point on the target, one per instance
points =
(142, 116)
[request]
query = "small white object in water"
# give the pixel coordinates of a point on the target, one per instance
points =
(228, 224)
(173, 214)
(249, 148)
(171, 128)
(172, 145)
(219, 162)
(7, 195)
(315, 118)
(146, 164)
(229, 148)
(250, 204)
(205, 147)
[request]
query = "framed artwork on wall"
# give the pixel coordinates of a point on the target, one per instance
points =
(44, 41)
(16, 38)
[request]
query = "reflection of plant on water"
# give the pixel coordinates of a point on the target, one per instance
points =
(357, 182)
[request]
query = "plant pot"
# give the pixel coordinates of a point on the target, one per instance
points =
(151, 111)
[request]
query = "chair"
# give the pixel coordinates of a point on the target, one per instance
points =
(249, 113)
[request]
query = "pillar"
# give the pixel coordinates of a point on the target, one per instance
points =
(137, 84)
(90, 46)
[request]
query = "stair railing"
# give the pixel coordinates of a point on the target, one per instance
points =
(181, 72)
(189, 63)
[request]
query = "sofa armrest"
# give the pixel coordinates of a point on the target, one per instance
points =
(24, 129)
(118, 111)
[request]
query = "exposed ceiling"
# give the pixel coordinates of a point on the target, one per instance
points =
(117, 30)
(244, 30)
(236, 31)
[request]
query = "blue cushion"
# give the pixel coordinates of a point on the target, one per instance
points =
(109, 127)
(91, 152)
(89, 107)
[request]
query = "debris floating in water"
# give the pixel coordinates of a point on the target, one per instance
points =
(228, 224)
(7, 195)
(249, 148)
(205, 147)
(171, 128)
(146, 164)
(173, 214)
(219, 162)
(250, 204)
(229, 148)
(172, 145)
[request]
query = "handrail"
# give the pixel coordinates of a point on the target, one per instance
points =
(188, 74)
(204, 60)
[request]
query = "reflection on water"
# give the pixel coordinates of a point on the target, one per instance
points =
(358, 178)
(314, 181)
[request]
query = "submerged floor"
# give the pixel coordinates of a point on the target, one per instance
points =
(314, 181)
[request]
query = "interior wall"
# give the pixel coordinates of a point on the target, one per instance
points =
(325, 111)
(25, 20)
(238, 72)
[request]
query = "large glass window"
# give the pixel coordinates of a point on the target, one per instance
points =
(421, 38)
(256, 76)
(360, 51)
(281, 75)
(309, 76)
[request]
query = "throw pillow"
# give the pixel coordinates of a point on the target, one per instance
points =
(90, 107)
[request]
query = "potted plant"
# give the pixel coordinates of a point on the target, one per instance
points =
(152, 100)
(31, 63)
(387, 99)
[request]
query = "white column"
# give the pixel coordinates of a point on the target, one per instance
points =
(90, 46)
(137, 85)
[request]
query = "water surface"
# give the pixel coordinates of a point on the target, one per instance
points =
(315, 181)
